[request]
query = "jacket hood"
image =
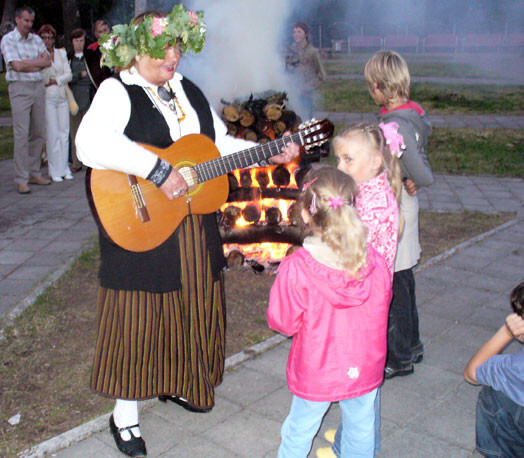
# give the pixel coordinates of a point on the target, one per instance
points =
(419, 122)
(338, 287)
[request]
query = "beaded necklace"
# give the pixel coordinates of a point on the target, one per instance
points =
(168, 97)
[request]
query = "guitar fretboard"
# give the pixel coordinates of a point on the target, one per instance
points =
(242, 159)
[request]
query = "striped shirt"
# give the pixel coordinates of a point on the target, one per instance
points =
(16, 48)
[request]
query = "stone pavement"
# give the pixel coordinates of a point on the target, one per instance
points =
(462, 299)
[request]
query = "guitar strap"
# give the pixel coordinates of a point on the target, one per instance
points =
(157, 270)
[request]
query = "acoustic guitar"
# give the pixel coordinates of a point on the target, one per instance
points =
(137, 216)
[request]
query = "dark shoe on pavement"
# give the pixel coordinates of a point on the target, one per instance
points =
(76, 169)
(39, 180)
(183, 403)
(134, 446)
(389, 372)
(418, 358)
(22, 188)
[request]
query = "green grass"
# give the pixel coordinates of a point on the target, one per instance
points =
(498, 152)
(417, 69)
(6, 143)
(5, 106)
(353, 95)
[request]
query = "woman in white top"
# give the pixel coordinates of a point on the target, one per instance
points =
(56, 107)
(161, 320)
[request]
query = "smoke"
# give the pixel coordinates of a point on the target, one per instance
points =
(244, 48)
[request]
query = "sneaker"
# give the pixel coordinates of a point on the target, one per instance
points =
(40, 181)
(57, 179)
(329, 435)
(22, 188)
(325, 452)
(389, 372)
(68, 176)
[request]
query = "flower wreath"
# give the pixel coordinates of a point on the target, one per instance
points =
(181, 27)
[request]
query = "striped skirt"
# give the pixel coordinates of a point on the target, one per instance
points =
(171, 343)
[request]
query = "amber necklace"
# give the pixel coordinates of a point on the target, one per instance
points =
(169, 98)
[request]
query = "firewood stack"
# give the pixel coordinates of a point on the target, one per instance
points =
(260, 120)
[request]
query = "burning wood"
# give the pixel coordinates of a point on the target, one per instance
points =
(235, 259)
(251, 213)
(245, 179)
(231, 214)
(273, 216)
(261, 234)
(281, 176)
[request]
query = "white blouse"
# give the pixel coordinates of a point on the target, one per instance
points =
(60, 71)
(101, 143)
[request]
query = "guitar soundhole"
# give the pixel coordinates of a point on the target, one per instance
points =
(190, 176)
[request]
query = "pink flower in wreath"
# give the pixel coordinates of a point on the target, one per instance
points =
(159, 24)
(193, 18)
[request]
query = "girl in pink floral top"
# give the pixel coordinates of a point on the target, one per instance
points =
(365, 153)
(332, 295)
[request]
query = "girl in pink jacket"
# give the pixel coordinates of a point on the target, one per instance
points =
(332, 295)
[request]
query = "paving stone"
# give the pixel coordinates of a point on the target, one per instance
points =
(447, 355)
(259, 386)
(409, 444)
(257, 431)
(272, 363)
(487, 317)
(34, 273)
(402, 411)
(196, 422)
(276, 405)
(432, 325)
(200, 447)
(14, 257)
(92, 447)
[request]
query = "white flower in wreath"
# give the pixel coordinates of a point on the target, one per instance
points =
(353, 372)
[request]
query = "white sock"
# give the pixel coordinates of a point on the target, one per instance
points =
(126, 414)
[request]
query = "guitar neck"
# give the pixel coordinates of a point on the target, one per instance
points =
(242, 159)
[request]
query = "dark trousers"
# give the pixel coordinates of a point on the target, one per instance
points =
(499, 426)
(403, 334)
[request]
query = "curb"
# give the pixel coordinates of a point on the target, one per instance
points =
(85, 430)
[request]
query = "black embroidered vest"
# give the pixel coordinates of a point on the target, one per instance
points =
(157, 270)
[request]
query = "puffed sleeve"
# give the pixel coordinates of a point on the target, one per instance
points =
(100, 141)
(287, 303)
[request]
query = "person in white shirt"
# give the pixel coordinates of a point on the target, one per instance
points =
(26, 57)
(55, 79)
(161, 327)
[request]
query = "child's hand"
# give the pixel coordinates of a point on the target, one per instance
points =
(515, 324)
(410, 187)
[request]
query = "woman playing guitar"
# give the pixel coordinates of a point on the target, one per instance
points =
(161, 312)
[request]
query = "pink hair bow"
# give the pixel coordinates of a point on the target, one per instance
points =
(335, 202)
(394, 139)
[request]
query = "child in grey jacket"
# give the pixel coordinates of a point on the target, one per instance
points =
(388, 80)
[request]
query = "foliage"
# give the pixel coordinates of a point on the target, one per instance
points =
(181, 27)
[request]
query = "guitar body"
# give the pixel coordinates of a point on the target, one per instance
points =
(137, 216)
(117, 210)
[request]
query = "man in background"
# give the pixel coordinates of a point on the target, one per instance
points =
(26, 56)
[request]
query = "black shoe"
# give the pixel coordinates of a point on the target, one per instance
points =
(134, 446)
(183, 403)
(389, 372)
(418, 358)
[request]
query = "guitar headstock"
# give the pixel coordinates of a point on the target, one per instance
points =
(314, 132)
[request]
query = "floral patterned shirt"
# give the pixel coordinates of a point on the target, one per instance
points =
(378, 209)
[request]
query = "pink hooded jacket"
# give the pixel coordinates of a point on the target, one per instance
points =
(338, 324)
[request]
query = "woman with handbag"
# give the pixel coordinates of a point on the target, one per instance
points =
(80, 87)
(55, 79)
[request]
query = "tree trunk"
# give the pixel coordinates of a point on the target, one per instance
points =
(9, 11)
(71, 17)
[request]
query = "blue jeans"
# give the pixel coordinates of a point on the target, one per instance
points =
(305, 417)
(499, 425)
(336, 447)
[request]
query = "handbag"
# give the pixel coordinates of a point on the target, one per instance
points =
(73, 106)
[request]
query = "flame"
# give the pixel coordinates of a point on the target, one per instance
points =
(263, 252)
